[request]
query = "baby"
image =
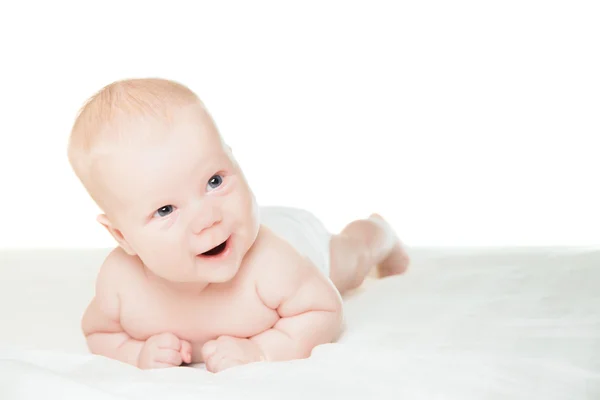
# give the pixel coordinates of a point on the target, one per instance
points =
(201, 274)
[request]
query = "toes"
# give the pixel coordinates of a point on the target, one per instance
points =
(395, 264)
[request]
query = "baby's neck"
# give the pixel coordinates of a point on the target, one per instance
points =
(191, 288)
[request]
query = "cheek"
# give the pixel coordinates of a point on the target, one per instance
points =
(162, 245)
(241, 204)
(244, 196)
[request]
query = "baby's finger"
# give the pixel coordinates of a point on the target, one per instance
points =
(157, 364)
(186, 351)
(226, 363)
(168, 341)
(212, 362)
(209, 349)
(172, 357)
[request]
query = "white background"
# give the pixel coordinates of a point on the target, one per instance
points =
(464, 123)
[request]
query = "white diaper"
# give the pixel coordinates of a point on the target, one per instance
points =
(302, 229)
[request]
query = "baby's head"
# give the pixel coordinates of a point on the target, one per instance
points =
(150, 156)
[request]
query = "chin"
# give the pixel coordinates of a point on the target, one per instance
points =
(217, 272)
(224, 274)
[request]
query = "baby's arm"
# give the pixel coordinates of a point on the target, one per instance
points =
(100, 323)
(103, 331)
(309, 306)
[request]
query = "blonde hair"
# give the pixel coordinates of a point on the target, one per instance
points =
(101, 120)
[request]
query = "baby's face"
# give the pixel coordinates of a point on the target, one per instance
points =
(181, 202)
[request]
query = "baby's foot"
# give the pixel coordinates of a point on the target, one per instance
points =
(397, 260)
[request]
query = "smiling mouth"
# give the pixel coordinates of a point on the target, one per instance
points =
(215, 251)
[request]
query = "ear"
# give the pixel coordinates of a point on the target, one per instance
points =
(104, 221)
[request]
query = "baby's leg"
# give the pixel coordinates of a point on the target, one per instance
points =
(360, 246)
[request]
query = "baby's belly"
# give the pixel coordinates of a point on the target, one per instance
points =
(199, 322)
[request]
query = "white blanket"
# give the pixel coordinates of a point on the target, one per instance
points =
(462, 324)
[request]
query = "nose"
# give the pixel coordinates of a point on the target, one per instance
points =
(205, 218)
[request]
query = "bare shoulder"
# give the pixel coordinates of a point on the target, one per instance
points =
(285, 278)
(116, 272)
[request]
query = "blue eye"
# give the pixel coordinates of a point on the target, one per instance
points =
(163, 211)
(214, 182)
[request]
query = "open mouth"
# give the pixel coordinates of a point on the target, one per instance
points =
(215, 251)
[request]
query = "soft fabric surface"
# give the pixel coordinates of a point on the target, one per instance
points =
(462, 324)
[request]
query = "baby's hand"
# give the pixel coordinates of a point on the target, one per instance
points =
(227, 352)
(163, 351)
